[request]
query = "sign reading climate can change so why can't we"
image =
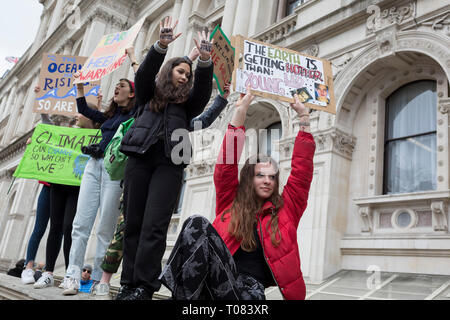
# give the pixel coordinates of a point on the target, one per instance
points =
(278, 73)
(54, 154)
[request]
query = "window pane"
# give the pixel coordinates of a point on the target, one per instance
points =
(269, 139)
(411, 110)
(410, 165)
(292, 4)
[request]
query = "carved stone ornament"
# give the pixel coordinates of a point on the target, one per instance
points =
(439, 216)
(444, 106)
(337, 141)
(440, 23)
(380, 19)
(366, 216)
(386, 41)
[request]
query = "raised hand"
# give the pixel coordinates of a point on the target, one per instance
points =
(226, 90)
(299, 107)
(166, 29)
(303, 114)
(205, 46)
(242, 105)
(194, 54)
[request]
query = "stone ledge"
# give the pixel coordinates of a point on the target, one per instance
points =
(11, 288)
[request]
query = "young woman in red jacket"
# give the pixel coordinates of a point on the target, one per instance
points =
(252, 243)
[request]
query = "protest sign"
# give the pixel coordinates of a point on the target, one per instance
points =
(58, 93)
(109, 54)
(277, 73)
(222, 55)
(54, 154)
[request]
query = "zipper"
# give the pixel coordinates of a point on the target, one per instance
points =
(264, 253)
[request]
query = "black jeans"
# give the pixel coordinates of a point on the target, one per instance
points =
(63, 206)
(151, 186)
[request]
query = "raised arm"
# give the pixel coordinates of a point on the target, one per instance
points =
(226, 169)
(209, 116)
(296, 191)
(149, 68)
(82, 106)
(202, 89)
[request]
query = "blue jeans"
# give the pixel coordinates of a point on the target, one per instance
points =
(40, 224)
(97, 193)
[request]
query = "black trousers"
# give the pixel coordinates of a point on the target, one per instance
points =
(63, 206)
(151, 186)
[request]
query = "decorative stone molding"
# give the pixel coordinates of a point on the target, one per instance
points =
(444, 106)
(439, 215)
(386, 40)
(313, 50)
(393, 15)
(278, 31)
(439, 23)
(365, 214)
(203, 168)
(336, 141)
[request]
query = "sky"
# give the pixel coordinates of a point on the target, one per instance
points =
(19, 23)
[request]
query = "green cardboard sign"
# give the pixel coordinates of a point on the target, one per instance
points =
(54, 154)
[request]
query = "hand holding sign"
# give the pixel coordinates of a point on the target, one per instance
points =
(299, 107)
(205, 46)
(166, 32)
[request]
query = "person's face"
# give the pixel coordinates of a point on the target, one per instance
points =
(86, 274)
(122, 93)
(83, 122)
(181, 74)
(322, 90)
(264, 180)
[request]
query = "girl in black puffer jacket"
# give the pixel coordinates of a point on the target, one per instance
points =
(152, 178)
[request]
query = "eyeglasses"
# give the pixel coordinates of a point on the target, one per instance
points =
(86, 270)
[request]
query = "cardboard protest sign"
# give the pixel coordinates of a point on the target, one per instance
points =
(54, 154)
(109, 54)
(277, 73)
(58, 92)
(222, 55)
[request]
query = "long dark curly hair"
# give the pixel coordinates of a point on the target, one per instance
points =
(165, 91)
(246, 206)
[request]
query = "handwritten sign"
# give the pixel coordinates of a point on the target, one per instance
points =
(109, 54)
(54, 154)
(58, 92)
(222, 56)
(278, 73)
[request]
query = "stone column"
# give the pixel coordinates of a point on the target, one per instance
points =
(176, 12)
(183, 23)
(228, 17)
(241, 22)
(281, 12)
(40, 35)
(93, 34)
(56, 17)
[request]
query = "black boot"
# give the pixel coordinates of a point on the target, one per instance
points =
(124, 292)
(140, 294)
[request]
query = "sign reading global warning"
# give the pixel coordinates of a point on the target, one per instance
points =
(58, 93)
(54, 154)
(279, 73)
(109, 55)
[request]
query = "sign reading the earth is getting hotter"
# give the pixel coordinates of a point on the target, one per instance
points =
(54, 154)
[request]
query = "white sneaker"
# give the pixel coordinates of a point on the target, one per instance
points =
(72, 287)
(27, 276)
(46, 280)
(64, 283)
(101, 289)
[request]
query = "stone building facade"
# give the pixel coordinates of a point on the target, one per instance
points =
(381, 52)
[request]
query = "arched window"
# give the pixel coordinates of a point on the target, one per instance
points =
(410, 139)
